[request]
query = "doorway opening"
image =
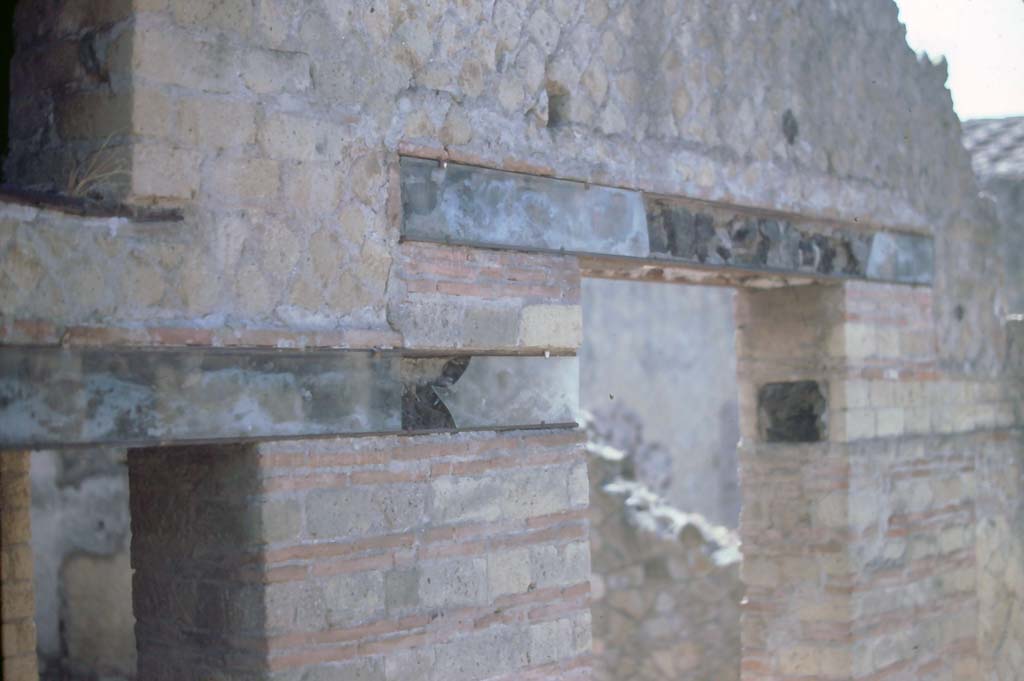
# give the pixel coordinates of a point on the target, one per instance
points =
(659, 392)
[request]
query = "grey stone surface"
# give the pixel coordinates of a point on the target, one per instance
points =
(463, 204)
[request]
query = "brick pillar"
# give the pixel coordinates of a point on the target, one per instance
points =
(858, 549)
(456, 557)
(796, 569)
(17, 598)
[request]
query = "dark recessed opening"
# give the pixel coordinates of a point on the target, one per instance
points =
(791, 412)
(558, 105)
(6, 54)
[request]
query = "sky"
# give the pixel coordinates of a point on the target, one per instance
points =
(983, 41)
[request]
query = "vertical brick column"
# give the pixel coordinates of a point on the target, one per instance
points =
(17, 598)
(796, 567)
(859, 557)
(457, 557)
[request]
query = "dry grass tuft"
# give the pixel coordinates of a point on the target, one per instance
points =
(97, 168)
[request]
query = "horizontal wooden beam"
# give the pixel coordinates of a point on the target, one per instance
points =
(466, 205)
(56, 397)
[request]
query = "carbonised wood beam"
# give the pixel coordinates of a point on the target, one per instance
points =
(52, 397)
(467, 205)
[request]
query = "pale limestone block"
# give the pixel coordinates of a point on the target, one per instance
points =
(551, 326)
(216, 123)
(889, 422)
(160, 171)
(508, 572)
(244, 179)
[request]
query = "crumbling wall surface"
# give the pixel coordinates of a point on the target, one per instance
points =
(80, 540)
(998, 157)
(276, 125)
(1000, 556)
(666, 586)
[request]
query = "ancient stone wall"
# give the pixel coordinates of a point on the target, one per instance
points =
(996, 150)
(279, 123)
(275, 127)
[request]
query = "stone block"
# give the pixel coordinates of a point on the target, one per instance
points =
(401, 587)
(280, 520)
(365, 511)
(551, 642)
(889, 422)
(487, 326)
(96, 115)
(163, 172)
(364, 669)
(312, 187)
(579, 486)
(533, 492)
(560, 566)
(19, 637)
(213, 123)
(174, 57)
(858, 424)
(799, 661)
(19, 600)
(859, 341)
(99, 626)
(291, 137)
(551, 326)
(154, 113)
(20, 668)
(509, 572)
(229, 15)
(459, 582)
(294, 606)
(351, 599)
(240, 180)
(491, 652)
(409, 665)
(15, 562)
(276, 71)
(465, 499)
